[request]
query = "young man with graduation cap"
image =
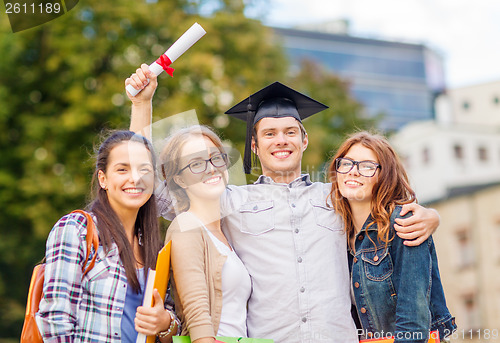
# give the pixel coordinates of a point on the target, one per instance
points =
(274, 129)
(291, 242)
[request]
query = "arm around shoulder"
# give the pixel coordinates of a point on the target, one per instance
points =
(416, 229)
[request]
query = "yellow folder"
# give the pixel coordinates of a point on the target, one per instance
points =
(162, 274)
(162, 271)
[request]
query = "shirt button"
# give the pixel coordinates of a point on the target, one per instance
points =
(304, 319)
(356, 284)
(363, 310)
(375, 259)
(360, 237)
(299, 259)
(355, 260)
(116, 333)
(293, 205)
(296, 230)
(255, 208)
(302, 290)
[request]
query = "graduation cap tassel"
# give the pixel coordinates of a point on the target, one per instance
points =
(247, 157)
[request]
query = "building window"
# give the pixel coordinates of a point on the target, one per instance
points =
(426, 156)
(466, 105)
(482, 153)
(465, 249)
(458, 151)
(471, 311)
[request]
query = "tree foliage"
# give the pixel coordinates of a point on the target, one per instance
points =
(61, 83)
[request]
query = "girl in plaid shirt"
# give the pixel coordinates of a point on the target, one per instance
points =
(104, 305)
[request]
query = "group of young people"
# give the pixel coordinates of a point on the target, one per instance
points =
(284, 258)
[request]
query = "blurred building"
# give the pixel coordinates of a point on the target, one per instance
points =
(461, 148)
(454, 167)
(398, 80)
(467, 244)
(474, 105)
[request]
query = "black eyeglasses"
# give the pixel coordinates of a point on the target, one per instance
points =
(199, 166)
(365, 168)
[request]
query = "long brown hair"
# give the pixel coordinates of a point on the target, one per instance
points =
(170, 158)
(110, 226)
(392, 188)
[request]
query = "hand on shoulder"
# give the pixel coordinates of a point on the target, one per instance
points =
(417, 228)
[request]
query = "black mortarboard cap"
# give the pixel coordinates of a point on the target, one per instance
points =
(276, 101)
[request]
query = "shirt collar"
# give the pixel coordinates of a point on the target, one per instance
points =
(303, 179)
(372, 227)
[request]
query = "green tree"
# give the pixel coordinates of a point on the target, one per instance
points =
(61, 83)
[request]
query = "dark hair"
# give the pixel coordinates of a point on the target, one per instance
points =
(108, 223)
(392, 188)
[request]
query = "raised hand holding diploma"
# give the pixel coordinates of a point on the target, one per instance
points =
(180, 46)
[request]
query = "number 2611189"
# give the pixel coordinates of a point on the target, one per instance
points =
(42, 8)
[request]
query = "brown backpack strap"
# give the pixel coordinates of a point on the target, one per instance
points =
(92, 240)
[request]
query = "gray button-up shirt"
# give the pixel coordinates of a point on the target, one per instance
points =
(294, 248)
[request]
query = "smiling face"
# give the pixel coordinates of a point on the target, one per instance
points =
(129, 177)
(280, 147)
(206, 185)
(353, 186)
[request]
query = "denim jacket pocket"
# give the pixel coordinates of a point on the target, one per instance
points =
(377, 264)
(257, 217)
(325, 216)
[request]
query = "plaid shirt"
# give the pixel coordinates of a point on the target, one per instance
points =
(75, 309)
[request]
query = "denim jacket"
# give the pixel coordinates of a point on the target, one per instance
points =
(398, 290)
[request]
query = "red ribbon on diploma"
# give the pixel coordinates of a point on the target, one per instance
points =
(164, 62)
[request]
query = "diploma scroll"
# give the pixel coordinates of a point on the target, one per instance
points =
(181, 45)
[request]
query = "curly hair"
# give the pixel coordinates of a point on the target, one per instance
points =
(392, 188)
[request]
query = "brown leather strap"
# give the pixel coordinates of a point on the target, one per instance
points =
(92, 240)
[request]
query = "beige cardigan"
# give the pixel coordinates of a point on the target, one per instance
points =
(197, 275)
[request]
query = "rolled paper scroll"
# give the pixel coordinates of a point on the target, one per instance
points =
(180, 46)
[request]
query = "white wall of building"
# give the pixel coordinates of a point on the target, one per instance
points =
(476, 105)
(442, 156)
(460, 148)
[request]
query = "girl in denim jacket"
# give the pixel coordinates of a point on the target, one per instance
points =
(396, 289)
